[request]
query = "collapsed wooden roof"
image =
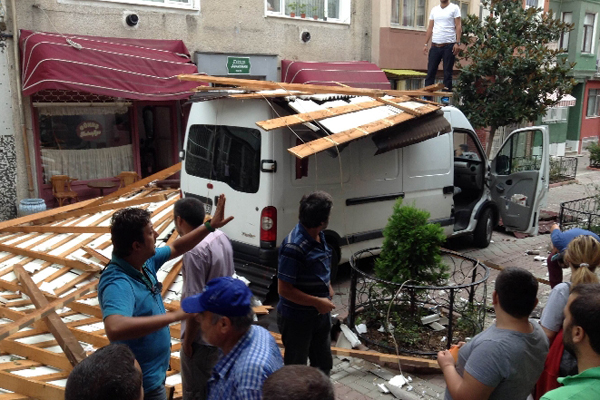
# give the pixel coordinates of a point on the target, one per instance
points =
(364, 113)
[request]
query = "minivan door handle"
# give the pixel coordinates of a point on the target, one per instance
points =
(500, 188)
(268, 166)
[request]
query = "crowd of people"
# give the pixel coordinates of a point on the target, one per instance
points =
(224, 355)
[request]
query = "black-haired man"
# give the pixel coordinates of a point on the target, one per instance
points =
(130, 293)
(304, 286)
(298, 382)
(581, 337)
(504, 361)
(211, 258)
(110, 373)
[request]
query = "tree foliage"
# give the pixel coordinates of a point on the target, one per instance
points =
(507, 67)
(411, 248)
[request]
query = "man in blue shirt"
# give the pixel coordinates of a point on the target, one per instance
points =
(560, 241)
(130, 294)
(249, 352)
(305, 290)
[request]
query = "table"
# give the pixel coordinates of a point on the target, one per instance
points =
(101, 185)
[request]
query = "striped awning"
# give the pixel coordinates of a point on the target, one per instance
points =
(566, 101)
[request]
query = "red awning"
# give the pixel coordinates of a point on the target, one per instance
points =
(358, 74)
(137, 69)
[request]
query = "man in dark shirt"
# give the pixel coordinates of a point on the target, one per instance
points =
(305, 290)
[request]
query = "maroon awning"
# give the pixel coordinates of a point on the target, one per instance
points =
(359, 74)
(137, 69)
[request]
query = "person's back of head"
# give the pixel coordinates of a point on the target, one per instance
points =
(191, 210)
(110, 373)
(127, 226)
(516, 289)
(583, 256)
(298, 382)
(585, 312)
(315, 209)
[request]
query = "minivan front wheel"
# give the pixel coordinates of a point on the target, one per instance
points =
(482, 236)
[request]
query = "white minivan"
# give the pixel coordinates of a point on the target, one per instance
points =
(224, 151)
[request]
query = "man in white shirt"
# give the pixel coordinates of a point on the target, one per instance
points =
(444, 31)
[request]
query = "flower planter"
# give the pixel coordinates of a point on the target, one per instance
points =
(461, 305)
(293, 15)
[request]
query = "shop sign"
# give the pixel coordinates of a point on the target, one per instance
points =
(89, 130)
(238, 65)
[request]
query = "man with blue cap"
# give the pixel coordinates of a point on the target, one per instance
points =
(249, 352)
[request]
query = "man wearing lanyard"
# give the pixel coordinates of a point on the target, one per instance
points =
(130, 294)
(444, 31)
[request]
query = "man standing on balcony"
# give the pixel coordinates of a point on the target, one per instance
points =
(444, 31)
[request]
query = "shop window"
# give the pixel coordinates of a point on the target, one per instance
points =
(593, 103)
(226, 154)
(564, 38)
(588, 32)
(409, 13)
(85, 146)
(322, 10)
(189, 4)
(464, 7)
(556, 115)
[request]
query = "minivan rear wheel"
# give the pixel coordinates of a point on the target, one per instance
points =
(482, 236)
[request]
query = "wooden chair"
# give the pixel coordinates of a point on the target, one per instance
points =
(61, 188)
(126, 178)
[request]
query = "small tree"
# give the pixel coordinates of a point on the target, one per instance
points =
(411, 248)
(507, 68)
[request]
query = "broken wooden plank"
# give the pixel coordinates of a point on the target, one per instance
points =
(318, 115)
(46, 257)
(31, 387)
(103, 207)
(58, 229)
(43, 214)
(57, 327)
(243, 96)
(414, 112)
(96, 254)
(168, 281)
(15, 326)
(56, 360)
(327, 142)
(165, 173)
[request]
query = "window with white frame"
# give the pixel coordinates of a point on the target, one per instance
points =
(588, 32)
(534, 3)
(556, 114)
(409, 13)
(189, 4)
(564, 38)
(464, 7)
(322, 10)
(593, 103)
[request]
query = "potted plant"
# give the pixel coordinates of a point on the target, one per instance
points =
(315, 11)
(293, 7)
(302, 10)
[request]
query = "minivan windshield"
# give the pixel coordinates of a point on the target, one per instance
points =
(228, 154)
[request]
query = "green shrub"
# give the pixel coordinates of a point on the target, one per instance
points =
(411, 248)
(594, 150)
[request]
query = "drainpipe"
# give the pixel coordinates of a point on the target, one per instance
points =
(20, 98)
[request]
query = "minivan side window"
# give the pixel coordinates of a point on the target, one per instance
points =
(522, 152)
(228, 154)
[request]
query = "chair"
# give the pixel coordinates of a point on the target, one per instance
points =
(126, 178)
(61, 188)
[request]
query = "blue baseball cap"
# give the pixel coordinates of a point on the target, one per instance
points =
(225, 296)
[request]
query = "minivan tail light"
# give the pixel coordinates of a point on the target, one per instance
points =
(268, 224)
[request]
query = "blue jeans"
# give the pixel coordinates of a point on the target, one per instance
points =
(160, 393)
(436, 55)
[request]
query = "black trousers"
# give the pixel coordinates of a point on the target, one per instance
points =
(307, 339)
(437, 55)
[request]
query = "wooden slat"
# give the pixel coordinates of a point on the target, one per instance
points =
(318, 115)
(46, 257)
(18, 365)
(58, 229)
(165, 173)
(15, 326)
(103, 207)
(318, 145)
(44, 214)
(267, 95)
(57, 360)
(168, 281)
(57, 327)
(96, 254)
(31, 387)
(414, 112)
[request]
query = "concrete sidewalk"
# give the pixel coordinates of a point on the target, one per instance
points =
(351, 376)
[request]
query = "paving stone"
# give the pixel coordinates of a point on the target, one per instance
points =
(359, 387)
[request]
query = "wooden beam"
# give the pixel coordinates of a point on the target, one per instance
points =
(34, 353)
(31, 387)
(414, 112)
(318, 115)
(15, 326)
(44, 214)
(168, 281)
(46, 257)
(96, 254)
(267, 95)
(56, 326)
(495, 266)
(103, 207)
(324, 143)
(165, 173)
(58, 229)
